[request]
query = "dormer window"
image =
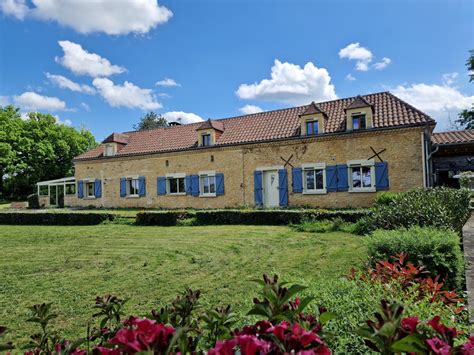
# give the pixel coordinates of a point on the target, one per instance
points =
(114, 143)
(209, 133)
(312, 127)
(109, 150)
(206, 139)
(358, 121)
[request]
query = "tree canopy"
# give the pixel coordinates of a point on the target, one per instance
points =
(466, 117)
(36, 148)
(149, 121)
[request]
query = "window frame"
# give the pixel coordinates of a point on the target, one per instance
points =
(313, 167)
(202, 176)
(358, 115)
(70, 184)
(175, 176)
(314, 122)
(111, 146)
(128, 182)
(87, 183)
(351, 164)
(203, 141)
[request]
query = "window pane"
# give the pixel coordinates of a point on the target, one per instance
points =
(356, 178)
(90, 189)
(309, 179)
(309, 128)
(173, 185)
(43, 190)
(319, 179)
(355, 122)
(181, 185)
(212, 184)
(206, 139)
(205, 184)
(70, 189)
(366, 179)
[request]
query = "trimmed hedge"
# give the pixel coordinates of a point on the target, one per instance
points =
(438, 250)
(161, 218)
(58, 219)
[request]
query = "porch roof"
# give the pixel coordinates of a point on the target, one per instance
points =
(65, 180)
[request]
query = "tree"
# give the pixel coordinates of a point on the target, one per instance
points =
(36, 149)
(466, 117)
(149, 121)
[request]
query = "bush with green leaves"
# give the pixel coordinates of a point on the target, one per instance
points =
(438, 250)
(440, 207)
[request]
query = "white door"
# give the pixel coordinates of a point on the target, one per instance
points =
(270, 188)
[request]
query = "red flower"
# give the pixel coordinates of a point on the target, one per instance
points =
(106, 351)
(248, 345)
(447, 333)
(468, 348)
(409, 324)
(437, 346)
(279, 330)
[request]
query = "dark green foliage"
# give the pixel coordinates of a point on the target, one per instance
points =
(33, 201)
(58, 219)
(5, 346)
(162, 218)
(439, 251)
(466, 117)
(440, 207)
(151, 120)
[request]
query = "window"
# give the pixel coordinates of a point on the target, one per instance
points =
(109, 150)
(43, 190)
(314, 178)
(207, 184)
(132, 186)
(89, 190)
(206, 140)
(358, 121)
(362, 176)
(176, 185)
(70, 189)
(312, 127)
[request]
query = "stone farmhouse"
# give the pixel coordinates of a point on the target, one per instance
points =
(330, 154)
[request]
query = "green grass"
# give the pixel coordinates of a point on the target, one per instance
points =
(69, 266)
(4, 205)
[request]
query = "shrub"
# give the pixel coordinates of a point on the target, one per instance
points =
(161, 218)
(440, 207)
(439, 251)
(33, 201)
(59, 219)
(336, 225)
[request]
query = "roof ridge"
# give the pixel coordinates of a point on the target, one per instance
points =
(455, 131)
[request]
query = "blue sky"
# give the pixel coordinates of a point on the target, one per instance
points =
(104, 64)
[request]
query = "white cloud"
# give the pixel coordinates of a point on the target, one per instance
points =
(167, 82)
(249, 109)
(85, 106)
(32, 101)
(82, 62)
(15, 8)
(66, 122)
(442, 102)
(126, 95)
(291, 84)
(4, 101)
(350, 77)
(449, 78)
(65, 83)
(182, 117)
(108, 16)
(163, 95)
(362, 55)
(382, 64)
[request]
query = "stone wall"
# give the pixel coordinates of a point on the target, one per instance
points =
(403, 154)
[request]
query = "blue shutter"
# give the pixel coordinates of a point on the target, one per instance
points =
(283, 187)
(161, 185)
(297, 180)
(381, 176)
(342, 182)
(141, 186)
(257, 185)
(187, 183)
(80, 189)
(331, 178)
(123, 187)
(219, 184)
(195, 185)
(98, 188)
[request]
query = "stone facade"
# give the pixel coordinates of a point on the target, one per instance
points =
(403, 153)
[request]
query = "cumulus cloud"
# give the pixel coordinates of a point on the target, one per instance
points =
(382, 64)
(65, 83)
(126, 95)
(350, 77)
(291, 84)
(249, 109)
(442, 102)
(182, 117)
(32, 101)
(107, 16)
(82, 62)
(15, 8)
(361, 55)
(167, 82)
(449, 78)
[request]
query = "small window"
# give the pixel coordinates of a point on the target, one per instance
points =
(132, 186)
(362, 177)
(70, 189)
(312, 127)
(358, 121)
(206, 140)
(109, 150)
(207, 184)
(313, 180)
(43, 190)
(90, 191)
(176, 185)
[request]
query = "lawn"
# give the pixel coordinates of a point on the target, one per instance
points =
(69, 266)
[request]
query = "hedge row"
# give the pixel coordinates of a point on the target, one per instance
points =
(248, 217)
(58, 219)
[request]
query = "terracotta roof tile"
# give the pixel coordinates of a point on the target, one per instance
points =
(451, 137)
(358, 102)
(312, 109)
(116, 138)
(389, 111)
(218, 125)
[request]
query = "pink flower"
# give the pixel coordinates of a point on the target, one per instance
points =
(279, 330)
(409, 324)
(437, 346)
(447, 333)
(468, 348)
